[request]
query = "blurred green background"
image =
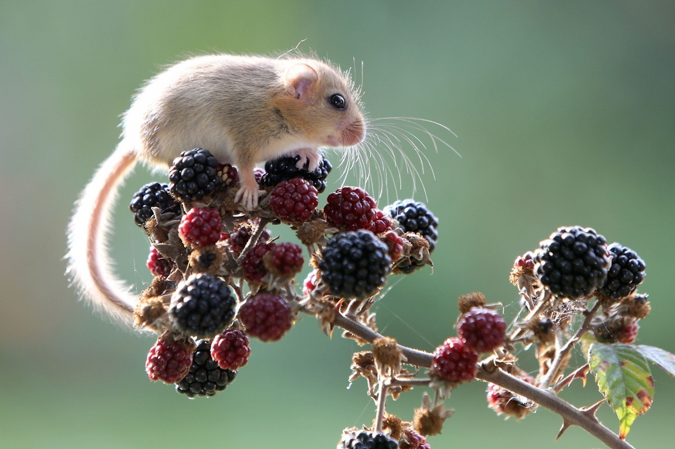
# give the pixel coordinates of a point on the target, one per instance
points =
(565, 114)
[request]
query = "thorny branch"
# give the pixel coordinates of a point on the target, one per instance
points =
(488, 372)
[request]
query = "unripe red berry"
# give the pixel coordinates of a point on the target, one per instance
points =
(454, 362)
(482, 329)
(201, 226)
(231, 349)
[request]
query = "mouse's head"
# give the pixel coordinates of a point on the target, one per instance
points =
(321, 103)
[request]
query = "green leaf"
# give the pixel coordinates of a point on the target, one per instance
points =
(624, 377)
(659, 356)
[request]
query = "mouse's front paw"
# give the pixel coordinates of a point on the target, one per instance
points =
(247, 196)
(310, 157)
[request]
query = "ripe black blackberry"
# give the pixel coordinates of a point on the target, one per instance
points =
(573, 262)
(414, 216)
(368, 440)
(626, 273)
(202, 305)
(354, 264)
(152, 195)
(205, 377)
(285, 168)
(194, 175)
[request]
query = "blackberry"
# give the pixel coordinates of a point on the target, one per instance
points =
(573, 262)
(381, 222)
(354, 264)
(454, 362)
(294, 201)
(238, 239)
(414, 216)
(194, 175)
(231, 349)
(626, 273)
(200, 227)
(202, 305)
(266, 316)
(284, 260)
(413, 440)
(205, 377)
(505, 402)
(482, 329)
(152, 195)
(169, 360)
(368, 440)
(253, 265)
(285, 168)
(350, 209)
(158, 265)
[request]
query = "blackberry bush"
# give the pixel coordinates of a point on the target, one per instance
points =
(219, 273)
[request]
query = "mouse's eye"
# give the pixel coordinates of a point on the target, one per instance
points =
(337, 101)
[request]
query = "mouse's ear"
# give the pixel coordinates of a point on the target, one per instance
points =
(299, 79)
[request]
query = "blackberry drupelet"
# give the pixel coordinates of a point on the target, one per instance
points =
(573, 262)
(285, 168)
(414, 216)
(626, 273)
(152, 195)
(202, 305)
(369, 440)
(194, 175)
(354, 264)
(205, 377)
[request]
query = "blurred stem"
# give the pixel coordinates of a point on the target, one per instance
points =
(489, 373)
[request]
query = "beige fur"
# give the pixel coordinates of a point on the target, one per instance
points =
(243, 109)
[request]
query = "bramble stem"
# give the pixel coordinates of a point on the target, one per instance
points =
(570, 414)
(381, 404)
(563, 352)
(254, 239)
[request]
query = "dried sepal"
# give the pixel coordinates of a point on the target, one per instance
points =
(388, 356)
(206, 260)
(393, 426)
(363, 364)
(466, 302)
(429, 420)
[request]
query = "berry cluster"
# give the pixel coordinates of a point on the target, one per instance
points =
(220, 274)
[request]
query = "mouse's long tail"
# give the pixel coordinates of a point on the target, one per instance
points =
(88, 262)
